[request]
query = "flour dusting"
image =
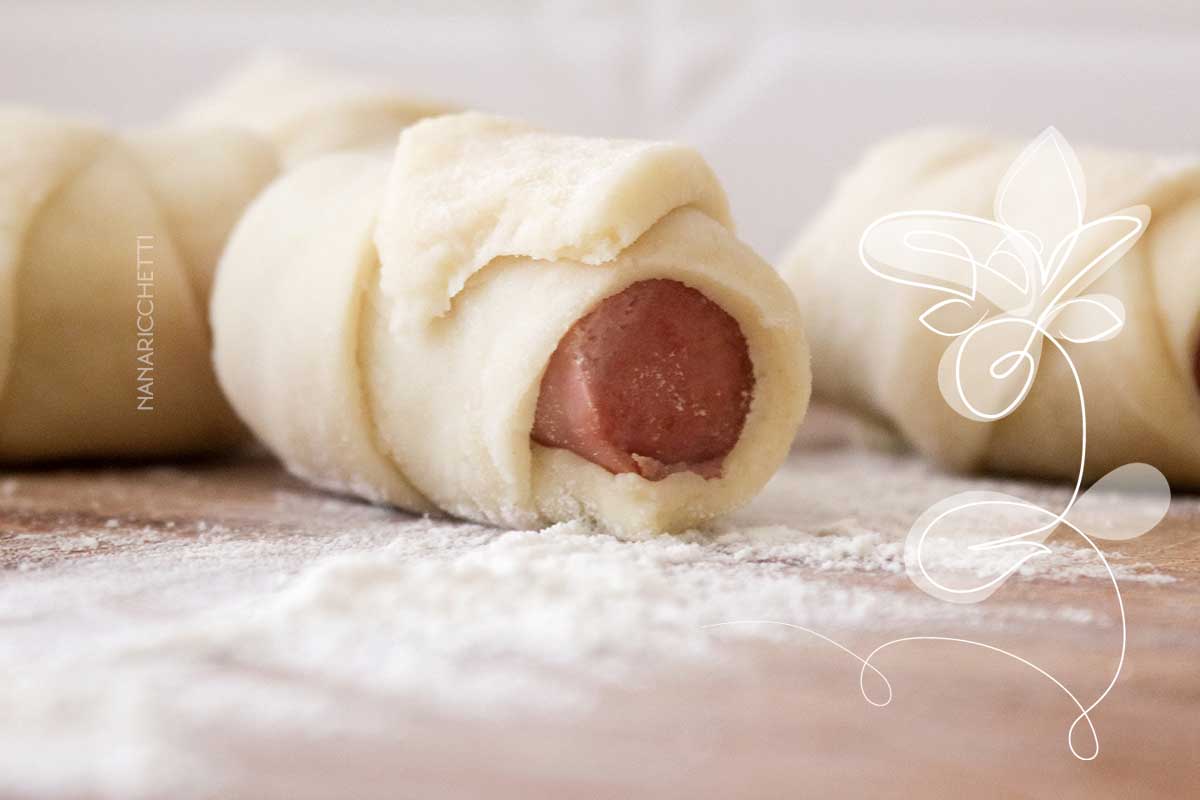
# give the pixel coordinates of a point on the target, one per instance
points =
(124, 642)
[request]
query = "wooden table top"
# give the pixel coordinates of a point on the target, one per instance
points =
(963, 721)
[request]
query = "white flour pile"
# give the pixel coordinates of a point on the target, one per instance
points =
(116, 660)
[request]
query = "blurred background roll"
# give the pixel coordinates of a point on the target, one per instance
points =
(107, 247)
(871, 354)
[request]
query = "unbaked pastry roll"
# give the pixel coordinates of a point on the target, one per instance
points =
(871, 355)
(107, 248)
(513, 327)
(304, 111)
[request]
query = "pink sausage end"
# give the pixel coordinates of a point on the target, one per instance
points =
(656, 379)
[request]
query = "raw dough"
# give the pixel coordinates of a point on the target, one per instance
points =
(870, 353)
(306, 112)
(383, 325)
(75, 202)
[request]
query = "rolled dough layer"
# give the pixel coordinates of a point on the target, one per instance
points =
(384, 325)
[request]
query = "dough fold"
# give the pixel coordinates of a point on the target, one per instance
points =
(471, 188)
(872, 356)
(101, 357)
(383, 325)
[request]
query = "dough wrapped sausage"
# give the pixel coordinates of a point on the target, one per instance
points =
(386, 326)
(100, 355)
(871, 355)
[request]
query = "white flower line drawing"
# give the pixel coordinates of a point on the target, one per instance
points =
(1020, 294)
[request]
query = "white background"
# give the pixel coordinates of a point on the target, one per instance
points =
(780, 97)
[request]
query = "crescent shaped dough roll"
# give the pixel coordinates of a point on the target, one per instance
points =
(101, 356)
(872, 355)
(306, 112)
(385, 326)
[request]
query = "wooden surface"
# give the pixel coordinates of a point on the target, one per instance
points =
(963, 722)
